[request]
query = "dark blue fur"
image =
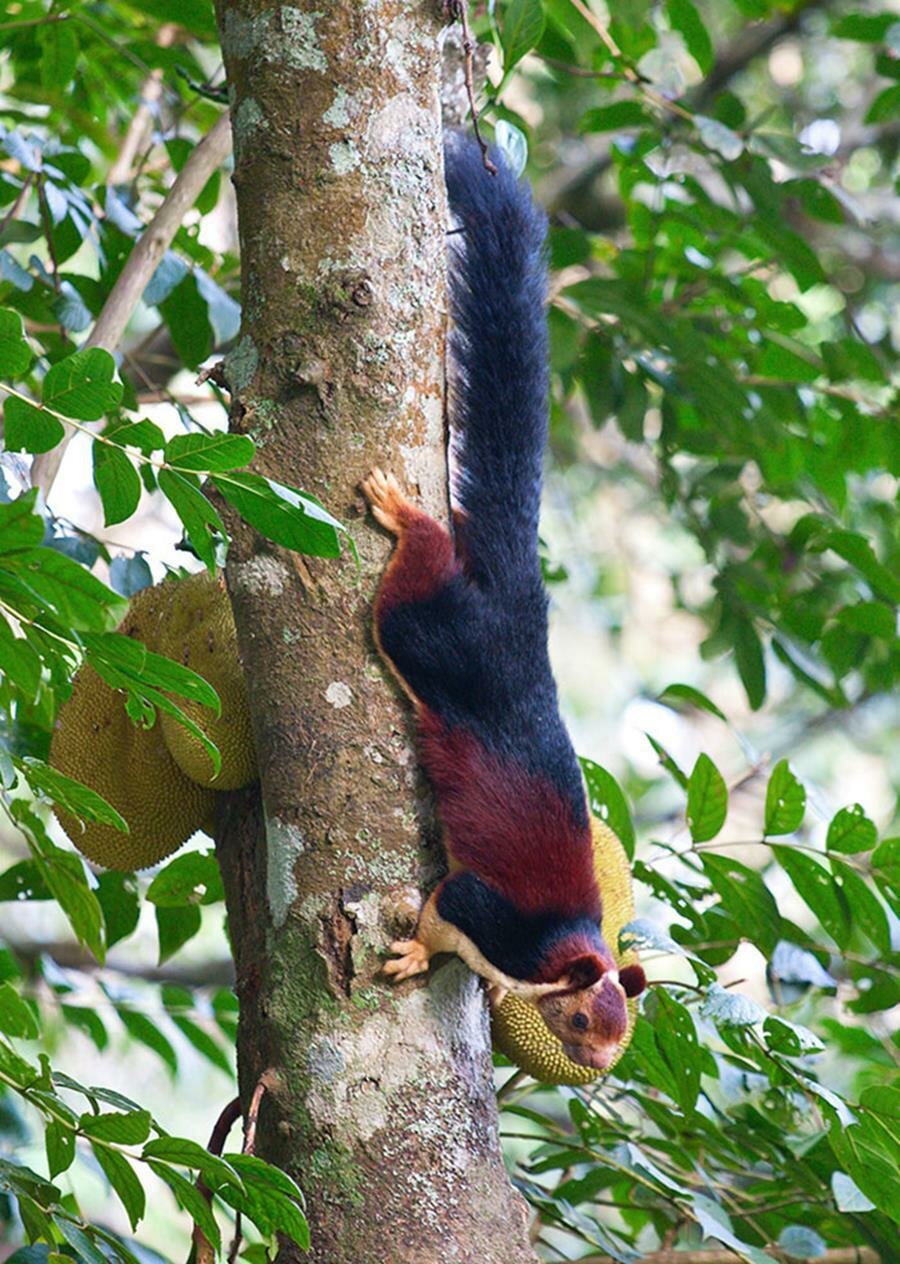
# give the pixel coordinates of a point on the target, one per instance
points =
(515, 943)
(476, 653)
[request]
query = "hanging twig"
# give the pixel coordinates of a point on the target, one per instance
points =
(457, 11)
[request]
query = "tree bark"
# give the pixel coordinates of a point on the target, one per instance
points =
(385, 1111)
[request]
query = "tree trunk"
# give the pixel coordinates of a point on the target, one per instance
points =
(384, 1110)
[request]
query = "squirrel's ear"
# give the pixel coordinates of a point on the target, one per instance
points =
(633, 980)
(583, 971)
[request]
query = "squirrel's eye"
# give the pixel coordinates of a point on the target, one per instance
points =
(580, 1021)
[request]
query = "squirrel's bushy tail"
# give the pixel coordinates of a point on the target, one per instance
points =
(498, 284)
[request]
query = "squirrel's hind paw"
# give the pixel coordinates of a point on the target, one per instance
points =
(411, 958)
(387, 501)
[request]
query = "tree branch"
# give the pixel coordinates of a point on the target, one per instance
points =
(146, 253)
(142, 119)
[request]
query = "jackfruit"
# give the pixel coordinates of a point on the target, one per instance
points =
(96, 743)
(517, 1027)
(198, 632)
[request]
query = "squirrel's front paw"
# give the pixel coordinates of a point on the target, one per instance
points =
(411, 958)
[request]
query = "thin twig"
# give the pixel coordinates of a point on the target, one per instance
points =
(458, 10)
(268, 1080)
(628, 72)
(142, 119)
(17, 205)
(580, 72)
(47, 221)
(203, 1252)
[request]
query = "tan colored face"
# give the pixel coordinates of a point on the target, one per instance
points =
(591, 1023)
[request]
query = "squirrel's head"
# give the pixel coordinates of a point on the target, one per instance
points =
(591, 1021)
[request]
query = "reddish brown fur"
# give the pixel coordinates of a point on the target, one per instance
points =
(511, 829)
(423, 561)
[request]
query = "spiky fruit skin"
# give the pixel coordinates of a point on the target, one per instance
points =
(96, 742)
(517, 1027)
(198, 632)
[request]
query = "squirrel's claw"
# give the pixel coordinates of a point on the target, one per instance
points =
(411, 958)
(385, 498)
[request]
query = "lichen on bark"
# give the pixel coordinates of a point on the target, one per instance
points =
(385, 1111)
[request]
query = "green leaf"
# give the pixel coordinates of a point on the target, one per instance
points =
(748, 657)
(780, 362)
(59, 54)
(865, 907)
(191, 1200)
(886, 105)
(60, 1145)
(122, 1177)
(886, 871)
(676, 1038)
(791, 1039)
(88, 1021)
(271, 1207)
(851, 360)
(20, 526)
(147, 1033)
(81, 1243)
(19, 662)
(801, 1242)
(785, 801)
(120, 900)
(148, 668)
(847, 1194)
(868, 1153)
(869, 28)
(63, 873)
(29, 429)
(730, 1009)
(82, 385)
(612, 118)
(707, 800)
(15, 353)
(816, 887)
(684, 17)
(857, 550)
(194, 878)
(215, 1171)
(198, 517)
(715, 1222)
(668, 762)
(693, 697)
(117, 482)
(202, 452)
(872, 618)
(716, 136)
(66, 589)
(175, 927)
(145, 435)
(186, 314)
(17, 1018)
(118, 1127)
(204, 1043)
(851, 830)
(281, 513)
(523, 26)
(608, 803)
(746, 898)
(82, 802)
